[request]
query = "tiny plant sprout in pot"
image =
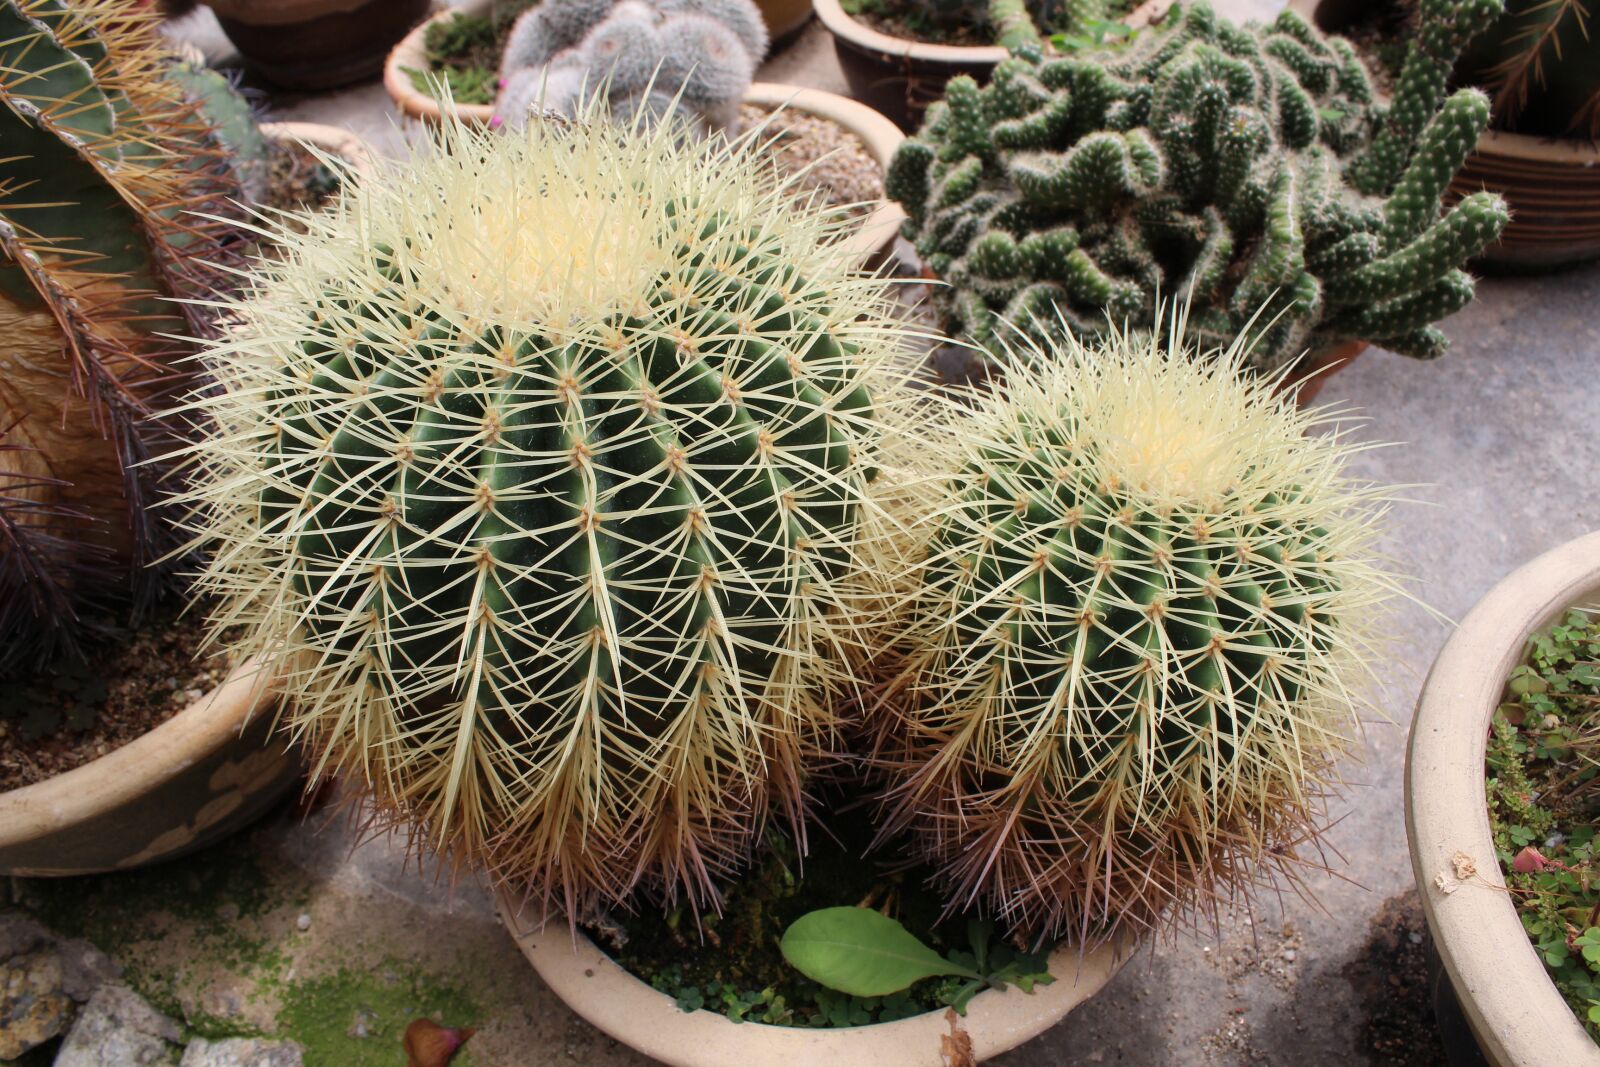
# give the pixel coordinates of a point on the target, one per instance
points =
(1127, 632)
(97, 110)
(1241, 168)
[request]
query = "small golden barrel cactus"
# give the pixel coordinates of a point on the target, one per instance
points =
(540, 463)
(1128, 639)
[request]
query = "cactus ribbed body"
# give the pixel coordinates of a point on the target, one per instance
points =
(1127, 653)
(545, 463)
(107, 171)
(1242, 169)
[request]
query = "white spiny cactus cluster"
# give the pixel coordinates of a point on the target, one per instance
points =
(652, 59)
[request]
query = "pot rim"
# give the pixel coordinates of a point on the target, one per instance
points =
(864, 38)
(632, 1012)
(334, 140)
(140, 766)
(1514, 1010)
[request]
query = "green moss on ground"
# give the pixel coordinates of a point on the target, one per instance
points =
(236, 917)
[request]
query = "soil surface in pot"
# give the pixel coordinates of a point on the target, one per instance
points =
(1544, 804)
(831, 162)
(131, 681)
(730, 963)
(296, 178)
(1380, 33)
(958, 24)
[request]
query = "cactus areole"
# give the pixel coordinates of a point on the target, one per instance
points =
(541, 459)
(1237, 168)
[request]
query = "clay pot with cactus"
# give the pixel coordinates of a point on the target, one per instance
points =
(119, 196)
(610, 575)
(1250, 170)
(1540, 64)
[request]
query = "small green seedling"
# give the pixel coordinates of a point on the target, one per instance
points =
(867, 954)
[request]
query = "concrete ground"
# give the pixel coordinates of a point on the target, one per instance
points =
(1499, 439)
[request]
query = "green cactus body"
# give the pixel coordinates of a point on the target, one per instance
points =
(1127, 654)
(106, 168)
(1247, 169)
(545, 460)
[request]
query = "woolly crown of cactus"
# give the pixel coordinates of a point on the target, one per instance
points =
(539, 465)
(108, 166)
(1126, 637)
(1234, 167)
(691, 60)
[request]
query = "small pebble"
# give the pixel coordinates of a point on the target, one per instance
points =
(1289, 954)
(303, 922)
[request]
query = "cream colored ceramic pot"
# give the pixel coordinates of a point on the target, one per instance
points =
(206, 772)
(1512, 1008)
(653, 1024)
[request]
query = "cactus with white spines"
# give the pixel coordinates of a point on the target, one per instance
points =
(1125, 646)
(540, 465)
(654, 60)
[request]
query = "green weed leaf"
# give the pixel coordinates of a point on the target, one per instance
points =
(861, 952)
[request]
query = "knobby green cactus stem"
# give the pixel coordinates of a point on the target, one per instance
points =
(1249, 170)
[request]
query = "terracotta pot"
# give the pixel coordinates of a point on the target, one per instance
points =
(785, 19)
(316, 44)
(1511, 1007)
(1316, 367)
(652, 1023)
(902, 77)
(1551, 184)
(203, 774)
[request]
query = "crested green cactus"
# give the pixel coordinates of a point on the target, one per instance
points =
(105, 189)
(1126, 637)
(541, 462)
(1247, 170)
(689, 59)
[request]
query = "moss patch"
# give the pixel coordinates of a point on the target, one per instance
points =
(357, 1016)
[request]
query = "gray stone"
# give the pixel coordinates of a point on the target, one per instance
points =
(18, 934)
(33, 1009)
(84, 969)
(241, 1052)
(118, 1029)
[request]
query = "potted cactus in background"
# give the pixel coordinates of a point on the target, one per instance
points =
(122, 174)
(692, 59)
(1540, 63)
(1246, 169)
